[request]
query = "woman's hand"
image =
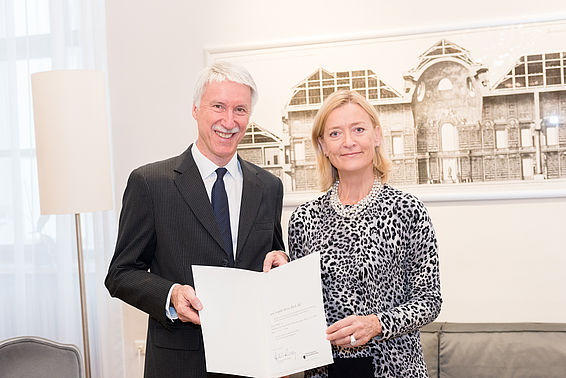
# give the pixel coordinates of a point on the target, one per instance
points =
(274, 259)
(363, 328)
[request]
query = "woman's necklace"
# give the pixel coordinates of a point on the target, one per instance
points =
(349, 211)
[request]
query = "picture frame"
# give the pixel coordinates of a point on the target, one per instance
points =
(471, 113)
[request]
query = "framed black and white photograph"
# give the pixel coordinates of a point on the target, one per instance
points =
(478, 113)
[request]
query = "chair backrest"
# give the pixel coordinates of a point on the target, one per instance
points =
(36, 357)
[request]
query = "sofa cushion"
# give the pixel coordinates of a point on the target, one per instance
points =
(502, 350)
(429, 341)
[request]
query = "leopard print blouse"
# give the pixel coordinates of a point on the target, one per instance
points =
(383, 262)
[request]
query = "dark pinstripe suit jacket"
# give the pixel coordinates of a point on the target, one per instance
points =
(167, 225)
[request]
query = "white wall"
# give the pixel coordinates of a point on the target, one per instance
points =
(500, 260)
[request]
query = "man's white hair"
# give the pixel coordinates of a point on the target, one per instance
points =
(221, 71)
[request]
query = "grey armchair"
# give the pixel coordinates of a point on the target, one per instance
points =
(35, 357)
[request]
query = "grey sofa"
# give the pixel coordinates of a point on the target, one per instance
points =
(36, 357)
(500, 350)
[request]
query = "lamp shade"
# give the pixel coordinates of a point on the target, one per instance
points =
(72, 142)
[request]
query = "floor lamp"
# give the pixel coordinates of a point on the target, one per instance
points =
(73, 154)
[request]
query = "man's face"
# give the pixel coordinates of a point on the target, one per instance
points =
(222, 118)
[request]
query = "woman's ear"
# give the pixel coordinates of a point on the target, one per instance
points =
(322, 146)
(378, 135)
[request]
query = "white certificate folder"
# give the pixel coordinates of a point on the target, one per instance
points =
(263, 324)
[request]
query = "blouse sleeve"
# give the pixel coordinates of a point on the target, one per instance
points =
(296, 229)
(423, 280)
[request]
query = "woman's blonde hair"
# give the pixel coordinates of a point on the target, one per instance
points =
(327, 172)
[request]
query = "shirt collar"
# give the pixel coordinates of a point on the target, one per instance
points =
(207, 167)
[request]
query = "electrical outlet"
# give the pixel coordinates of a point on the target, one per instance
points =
(140, 347)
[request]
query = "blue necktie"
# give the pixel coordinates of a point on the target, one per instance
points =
(222, 212)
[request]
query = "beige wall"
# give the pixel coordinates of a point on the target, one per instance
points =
(500, 260)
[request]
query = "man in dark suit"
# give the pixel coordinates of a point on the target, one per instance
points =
(204, 207)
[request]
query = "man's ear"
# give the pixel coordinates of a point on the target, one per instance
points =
(195, 111)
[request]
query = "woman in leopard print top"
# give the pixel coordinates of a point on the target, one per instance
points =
(378, 249)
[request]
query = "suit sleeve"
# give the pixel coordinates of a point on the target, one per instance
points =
(278, 243)
(128, 277)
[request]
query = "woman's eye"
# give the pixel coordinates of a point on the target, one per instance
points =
(333, 133)
(359, 130)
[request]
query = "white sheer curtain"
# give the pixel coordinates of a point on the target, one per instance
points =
(39, 289)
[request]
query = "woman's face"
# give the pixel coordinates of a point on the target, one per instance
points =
(349, 139)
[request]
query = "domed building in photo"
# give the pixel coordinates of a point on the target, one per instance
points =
(447, 125)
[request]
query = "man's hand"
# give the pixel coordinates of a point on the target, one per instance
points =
(186, 303)
(274, 259)
(363, 328)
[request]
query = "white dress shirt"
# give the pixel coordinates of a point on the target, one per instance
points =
(234, 183)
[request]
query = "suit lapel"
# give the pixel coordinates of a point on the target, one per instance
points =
(251, 199)
(192, 189)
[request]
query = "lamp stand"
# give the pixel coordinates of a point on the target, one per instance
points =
(80, 262)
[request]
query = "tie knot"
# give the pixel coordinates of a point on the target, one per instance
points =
(220, 172)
